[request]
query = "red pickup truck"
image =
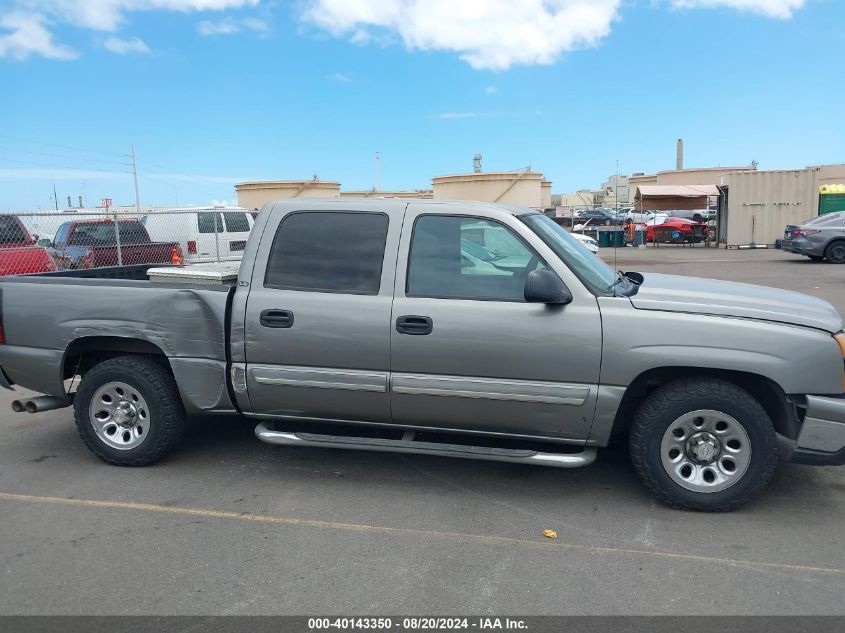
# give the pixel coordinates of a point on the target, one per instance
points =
(19, 254)
(93, 244)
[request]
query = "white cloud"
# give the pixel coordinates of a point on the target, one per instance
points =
(780, 9)
(496, 34)
(230, 25)
(27, 21)
(108, 15)
(124, 46)
(459, 115)
(339, 78)
(491, 90)
(493, 35)
(28, 36)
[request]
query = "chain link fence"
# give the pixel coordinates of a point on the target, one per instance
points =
(37, 242)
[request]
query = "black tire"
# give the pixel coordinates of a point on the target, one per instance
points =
(697, 218)
(673, 400)
(154, 381)
(835, 252)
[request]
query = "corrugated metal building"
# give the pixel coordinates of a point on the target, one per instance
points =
(756, 206)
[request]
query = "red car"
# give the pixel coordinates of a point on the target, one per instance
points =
(676, 231)
(18, 253)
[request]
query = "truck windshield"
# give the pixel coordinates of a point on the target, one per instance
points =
(589, 268)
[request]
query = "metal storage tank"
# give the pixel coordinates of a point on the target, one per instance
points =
(523, 188)
(761, 203)
(255, 194)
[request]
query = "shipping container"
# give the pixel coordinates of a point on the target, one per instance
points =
(759, 204)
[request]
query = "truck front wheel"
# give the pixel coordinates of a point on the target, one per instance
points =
(128, 411)
(703, 444)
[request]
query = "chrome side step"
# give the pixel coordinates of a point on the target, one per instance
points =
(406, 445)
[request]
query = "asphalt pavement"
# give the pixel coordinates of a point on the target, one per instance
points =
(231, 526)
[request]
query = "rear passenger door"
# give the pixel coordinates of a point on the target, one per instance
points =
(317, 339)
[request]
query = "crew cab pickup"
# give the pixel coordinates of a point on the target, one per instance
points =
(94, 244)
(448, 328)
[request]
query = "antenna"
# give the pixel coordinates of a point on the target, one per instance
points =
(135, 176)
(378, 172)
(616, 217)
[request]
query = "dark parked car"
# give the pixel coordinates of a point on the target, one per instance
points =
(93, 244)
(597, 217)
(820, 238)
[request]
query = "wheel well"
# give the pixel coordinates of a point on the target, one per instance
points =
(83, 353)
(770, 396)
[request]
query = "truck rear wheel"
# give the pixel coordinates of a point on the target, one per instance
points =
(128, 411)
(703, 444)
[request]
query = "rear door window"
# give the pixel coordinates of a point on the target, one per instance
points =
(236, 222)
(328, 252)
(206, 221)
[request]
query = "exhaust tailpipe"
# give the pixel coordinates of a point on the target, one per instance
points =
(41, 403)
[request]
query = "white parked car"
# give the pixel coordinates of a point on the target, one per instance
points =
(646, 217)
(587, 242)
(195, 230)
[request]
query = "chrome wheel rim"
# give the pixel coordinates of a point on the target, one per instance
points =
(120, 415)
(705, 451)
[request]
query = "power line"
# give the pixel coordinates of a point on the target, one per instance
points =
(56, 166)
(15, 150)
(70, 147)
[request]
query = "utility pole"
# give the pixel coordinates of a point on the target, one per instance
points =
(55, 197)
(616, 187)
(378, 172)
(135, 176)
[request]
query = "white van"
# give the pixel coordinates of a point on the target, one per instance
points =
(205, 233)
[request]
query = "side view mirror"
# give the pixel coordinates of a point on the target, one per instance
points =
(544, 286)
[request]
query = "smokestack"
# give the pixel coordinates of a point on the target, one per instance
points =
(80, 202)
(680, 164)
(69, 203)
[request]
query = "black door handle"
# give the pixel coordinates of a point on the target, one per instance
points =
(277, 318)
(414, 325)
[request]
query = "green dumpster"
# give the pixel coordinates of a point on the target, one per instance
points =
(604, 238)
(617, 238)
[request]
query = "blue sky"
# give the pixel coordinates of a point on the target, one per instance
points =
(216, 91)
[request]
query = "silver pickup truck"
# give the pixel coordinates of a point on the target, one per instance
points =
(448, 328)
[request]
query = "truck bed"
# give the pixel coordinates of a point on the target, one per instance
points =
(55, 312)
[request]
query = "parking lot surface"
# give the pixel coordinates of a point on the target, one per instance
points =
(228, 525)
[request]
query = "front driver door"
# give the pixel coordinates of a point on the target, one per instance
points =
(467, 351)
